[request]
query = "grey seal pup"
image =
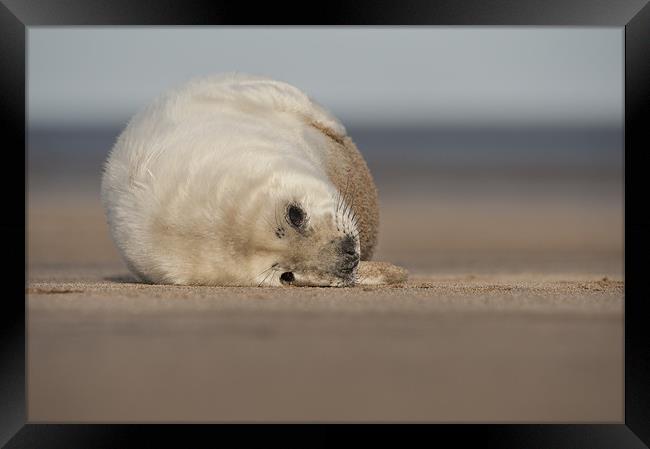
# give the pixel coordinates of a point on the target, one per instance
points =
(240, 180)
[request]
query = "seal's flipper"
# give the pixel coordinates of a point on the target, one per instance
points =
(380, 273)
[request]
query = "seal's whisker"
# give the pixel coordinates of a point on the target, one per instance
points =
(354, 219)
(272, 267)
(349, 205)
(347, 187)
(262, 281)
(338, 200)
(272, 272)
(338, 207)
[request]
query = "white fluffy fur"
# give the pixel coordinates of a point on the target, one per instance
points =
(193, 185)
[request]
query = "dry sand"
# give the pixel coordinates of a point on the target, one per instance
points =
(466, 348)
(518, 318)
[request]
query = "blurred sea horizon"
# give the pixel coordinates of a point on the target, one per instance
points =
(409, 153)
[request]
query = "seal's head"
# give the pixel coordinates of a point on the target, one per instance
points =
(318, 243)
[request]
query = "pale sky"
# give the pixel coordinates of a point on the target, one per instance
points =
(389, 75)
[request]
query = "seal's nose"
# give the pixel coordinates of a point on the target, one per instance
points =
(348, 246)
(350, 256)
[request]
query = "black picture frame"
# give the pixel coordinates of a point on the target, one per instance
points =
(17, 15)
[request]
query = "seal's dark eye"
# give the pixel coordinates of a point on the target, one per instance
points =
(287, 278)
(296, 216)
